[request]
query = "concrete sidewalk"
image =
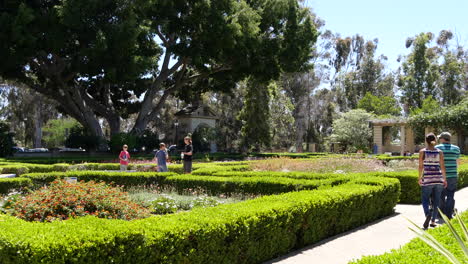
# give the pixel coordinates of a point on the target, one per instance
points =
(372, 239)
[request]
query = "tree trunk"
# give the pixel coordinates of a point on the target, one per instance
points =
(114, 124)
(38, 124)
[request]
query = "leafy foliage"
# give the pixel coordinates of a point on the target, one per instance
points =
(451, 117)
(80, 137)
(380, 106)
(6, 140)
(255, 116)
(352, 129)
(56, 131)
(259, 230)
(62, 200)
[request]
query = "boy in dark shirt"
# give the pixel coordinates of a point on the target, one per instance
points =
(187, 155)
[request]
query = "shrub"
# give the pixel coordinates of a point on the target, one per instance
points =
(62, 200)
(253, 231)
(14, 169)
(8, 184)
(164, 205)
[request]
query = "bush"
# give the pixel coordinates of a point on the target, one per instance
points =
(62, 200)
(8, 184)
(253, 231)
(164, 205)
(14, 169)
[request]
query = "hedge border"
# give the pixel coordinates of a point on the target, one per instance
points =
(248, 232)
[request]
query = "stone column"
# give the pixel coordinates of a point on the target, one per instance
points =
(402, 140)
(428, 130)
(410, 139)
(378, 138)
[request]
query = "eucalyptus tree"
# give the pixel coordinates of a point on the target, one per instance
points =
(452, 69)
(419, 72)
(113, 58)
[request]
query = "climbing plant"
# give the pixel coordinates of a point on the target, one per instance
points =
(453, 117)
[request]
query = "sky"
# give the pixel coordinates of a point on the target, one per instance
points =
(392, 22)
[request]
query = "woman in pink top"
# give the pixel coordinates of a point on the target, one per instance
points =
(124, 157)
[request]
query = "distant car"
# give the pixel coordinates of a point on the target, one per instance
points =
(19, 149)
(38, 150)
(72, 150)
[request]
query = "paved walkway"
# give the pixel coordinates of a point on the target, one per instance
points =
(372, 239)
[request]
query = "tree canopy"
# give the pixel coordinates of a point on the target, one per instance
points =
(113, 58)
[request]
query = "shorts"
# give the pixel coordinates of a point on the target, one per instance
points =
(162, 168)
(123, 167)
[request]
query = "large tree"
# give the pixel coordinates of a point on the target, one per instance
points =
(419, 72)
(112, 58)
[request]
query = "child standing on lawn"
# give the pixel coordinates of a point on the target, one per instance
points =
(161, 158)
(124, 158)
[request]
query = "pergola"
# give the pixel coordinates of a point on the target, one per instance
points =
(383, 142)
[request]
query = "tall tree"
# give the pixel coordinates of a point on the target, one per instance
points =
(419, 72)
(255, 117)
(452, 69)
(93, 57)
(27, 112)
(282, 117)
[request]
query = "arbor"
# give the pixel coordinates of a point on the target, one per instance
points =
(352, 130)
(112, 58)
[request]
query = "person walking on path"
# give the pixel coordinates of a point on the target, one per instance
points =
(451, 160)
(187, 155)
(432, 177)
(124, 158)
(161, 158)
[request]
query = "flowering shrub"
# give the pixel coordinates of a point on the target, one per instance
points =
(169, 205)
(164, 205)
(62, 200)
(205, 201)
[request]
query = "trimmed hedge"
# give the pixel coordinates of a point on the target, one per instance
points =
(410, 189)
(251, 185)
(247, 232)
(418, 252)
(8, 184)
(119, 178)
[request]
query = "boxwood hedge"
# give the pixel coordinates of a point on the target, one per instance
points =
(247, 232)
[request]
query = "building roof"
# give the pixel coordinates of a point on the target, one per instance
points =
(389, 121)
(196, 111)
